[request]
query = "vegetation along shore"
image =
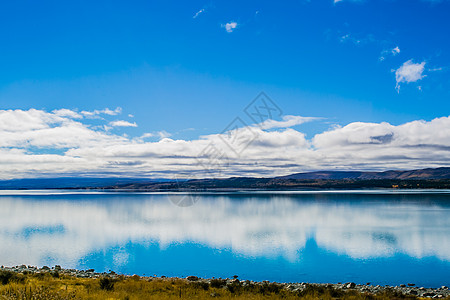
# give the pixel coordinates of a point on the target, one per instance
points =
(28, 282)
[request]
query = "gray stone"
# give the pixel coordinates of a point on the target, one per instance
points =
(429, 294)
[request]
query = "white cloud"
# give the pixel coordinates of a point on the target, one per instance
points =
(164, 134)
(288, 121)
(198, 13)
(67, 113)
(356, 40)
(160, 134)
(409, 72)
(122, 123)
(147, 135)
(267, 149)
(105, 111)
(395, 51)
(229, 27)
(37, 128)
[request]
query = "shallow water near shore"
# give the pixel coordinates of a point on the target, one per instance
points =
(382, 237)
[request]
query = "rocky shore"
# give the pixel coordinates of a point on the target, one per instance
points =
(405, 289)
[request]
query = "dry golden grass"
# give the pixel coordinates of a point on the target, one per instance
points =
(48, 286)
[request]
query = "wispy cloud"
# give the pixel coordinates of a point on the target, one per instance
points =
(122, 123)
(105, 111)
(357, 40)
(67, 113)
(338, 1)
(198, 13)
(393, 52)
(288, 121)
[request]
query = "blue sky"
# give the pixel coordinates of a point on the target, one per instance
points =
(187, 69)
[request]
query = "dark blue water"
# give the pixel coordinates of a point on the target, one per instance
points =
(382, 238)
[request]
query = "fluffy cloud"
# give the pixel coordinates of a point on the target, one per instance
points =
(230, 26)
(61, 142)
(409, 72)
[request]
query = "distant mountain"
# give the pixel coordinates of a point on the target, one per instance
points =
(438, 178)
(413, 179)
(69, 182)
(438, 173)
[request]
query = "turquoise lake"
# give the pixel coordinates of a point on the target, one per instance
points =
(382, 237)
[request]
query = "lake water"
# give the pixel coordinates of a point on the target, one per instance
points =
(378, 237)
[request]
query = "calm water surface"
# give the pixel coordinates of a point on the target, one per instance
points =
(383, 238)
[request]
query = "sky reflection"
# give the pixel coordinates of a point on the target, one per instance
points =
(65, 228)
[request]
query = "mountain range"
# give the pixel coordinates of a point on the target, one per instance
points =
(422, 178)
(437, 173)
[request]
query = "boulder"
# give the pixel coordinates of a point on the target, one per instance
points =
(350, 285)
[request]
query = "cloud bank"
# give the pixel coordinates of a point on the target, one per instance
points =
(37, 143)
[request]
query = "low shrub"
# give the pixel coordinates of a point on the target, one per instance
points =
(106, 283)
(218, 283)
(200, 285)
(270, 288)
(9, 276)
(55, 274)
(234, 287)
(135, 277)
(6, 276)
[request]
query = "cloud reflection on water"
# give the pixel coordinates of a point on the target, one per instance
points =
(64, 229)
